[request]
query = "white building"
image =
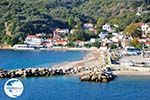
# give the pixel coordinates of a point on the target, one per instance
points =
(62, 30)
(48, 42)
(102, 35)
(145, 28)
(33, 40)
(92, 40)
(107, 27)
(88, 26)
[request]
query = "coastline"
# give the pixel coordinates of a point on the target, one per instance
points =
(93, 58)
(131, 73)
(86, 69)
(54, 48)
(90, 57)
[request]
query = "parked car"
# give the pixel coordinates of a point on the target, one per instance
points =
(131, 51)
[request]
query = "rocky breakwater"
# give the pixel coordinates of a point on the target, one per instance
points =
(40, 72)
(33, 72)
(98, 76)
(90, 74)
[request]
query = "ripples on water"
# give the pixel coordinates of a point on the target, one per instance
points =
(70, 88)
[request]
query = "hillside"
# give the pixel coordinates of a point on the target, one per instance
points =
(21, 17)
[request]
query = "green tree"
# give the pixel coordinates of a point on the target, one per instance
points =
(70, 21)
(71, 44)
(87, 45)
(134, 42)
(116, 20)
(132, 30)
(101, 21)
(96, 44)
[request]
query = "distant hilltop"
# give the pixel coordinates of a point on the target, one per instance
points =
(20, 17)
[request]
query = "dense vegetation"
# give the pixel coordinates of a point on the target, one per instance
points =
(22, 17)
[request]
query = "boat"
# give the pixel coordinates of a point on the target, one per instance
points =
(23, 47)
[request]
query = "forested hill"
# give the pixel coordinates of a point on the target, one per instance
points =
(36, 16)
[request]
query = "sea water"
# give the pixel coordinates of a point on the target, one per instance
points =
(13, 59)
(69, 87)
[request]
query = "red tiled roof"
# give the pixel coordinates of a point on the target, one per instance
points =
(50, 39)
(139, 24)
(31, 36)
(60, 41)
(147, 42)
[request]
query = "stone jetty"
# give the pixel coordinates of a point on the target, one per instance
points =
(94, 73)
(32, 72)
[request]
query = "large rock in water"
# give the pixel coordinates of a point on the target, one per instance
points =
(97, 77)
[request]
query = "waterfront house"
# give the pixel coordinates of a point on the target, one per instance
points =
(145, 41)
(60, 42)
(147, 44)
(92, 40)
(48, 42)
(79, 43)
(33, 40)
(59, 33)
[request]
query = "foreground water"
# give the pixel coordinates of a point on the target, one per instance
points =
(10, 59)
(67, 87)
(70, 88)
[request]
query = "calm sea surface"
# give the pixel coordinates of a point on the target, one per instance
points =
(10, 59)
(67, 87)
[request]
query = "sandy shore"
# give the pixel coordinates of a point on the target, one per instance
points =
(91, 59)
(131, 73)
(94, 58)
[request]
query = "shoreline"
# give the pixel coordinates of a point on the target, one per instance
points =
(131, 73)
(89, 57)
(81, 68)
(93, 59)
(55, 48)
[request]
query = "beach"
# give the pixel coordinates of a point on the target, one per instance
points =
(131, 73)
(97, 58)
(91, 60)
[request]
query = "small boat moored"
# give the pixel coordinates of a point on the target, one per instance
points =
(23, 47)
